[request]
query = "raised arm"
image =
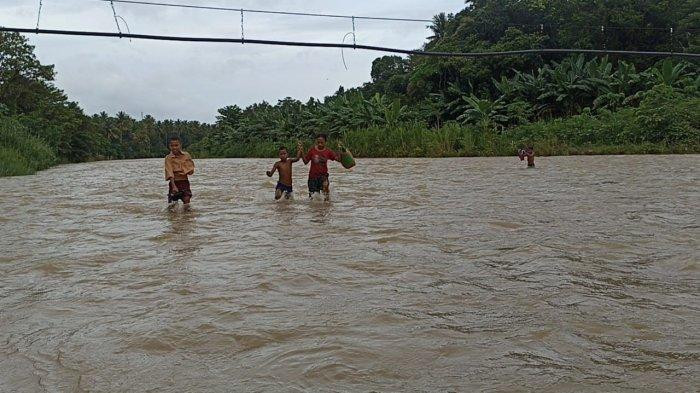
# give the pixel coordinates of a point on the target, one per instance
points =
(300, 152)
(306, 158)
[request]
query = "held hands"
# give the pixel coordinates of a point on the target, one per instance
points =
(300, 150)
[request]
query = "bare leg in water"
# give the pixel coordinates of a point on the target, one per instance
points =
(326, 190)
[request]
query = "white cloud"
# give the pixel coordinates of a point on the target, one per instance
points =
(191, 81)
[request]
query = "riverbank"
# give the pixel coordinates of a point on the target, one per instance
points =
(20, 152)
(655, 127)
(29, 155)
(651, 129)
(432, 146)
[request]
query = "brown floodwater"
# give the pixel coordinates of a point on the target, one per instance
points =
(433, 275)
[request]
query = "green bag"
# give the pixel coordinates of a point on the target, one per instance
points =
(346, 159)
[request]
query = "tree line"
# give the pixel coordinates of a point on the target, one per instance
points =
(484, 98)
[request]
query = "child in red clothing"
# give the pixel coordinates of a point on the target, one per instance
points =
(319, 156)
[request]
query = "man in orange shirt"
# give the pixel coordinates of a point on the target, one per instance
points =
(178, 166)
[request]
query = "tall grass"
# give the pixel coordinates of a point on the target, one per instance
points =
(259, 149)
(20, 152)
(664, 122)
(548, 139)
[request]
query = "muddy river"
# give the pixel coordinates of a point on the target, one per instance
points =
(425, 275)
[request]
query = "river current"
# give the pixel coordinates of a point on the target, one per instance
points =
(425, 275)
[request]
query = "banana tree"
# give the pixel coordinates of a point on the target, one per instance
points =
(485, 113)
(669, 74)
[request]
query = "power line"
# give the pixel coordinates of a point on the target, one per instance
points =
(203, 7)
(192, 6)
(350, 46)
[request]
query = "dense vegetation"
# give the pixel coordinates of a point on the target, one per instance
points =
(39, 126)
(419, 106)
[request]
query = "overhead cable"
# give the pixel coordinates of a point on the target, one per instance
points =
(203, 7)
(351, 46)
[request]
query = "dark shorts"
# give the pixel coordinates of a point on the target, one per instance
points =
(316, 184)
(183, 188)
(283, 187)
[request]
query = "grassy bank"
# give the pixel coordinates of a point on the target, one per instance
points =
(20, 152)
(457, 141)
(655, 127)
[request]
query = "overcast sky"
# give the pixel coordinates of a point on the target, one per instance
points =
(191, 81)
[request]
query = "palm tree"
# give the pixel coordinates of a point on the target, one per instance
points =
(439, 26)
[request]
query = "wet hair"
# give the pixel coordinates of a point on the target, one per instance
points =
(174, 138)
(283, 148)
(324, 136)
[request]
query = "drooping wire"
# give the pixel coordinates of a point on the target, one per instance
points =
(114, 12)
(38, 14)
(116, 21)
(605, 37)
(125, 24)
(342, 48)
(354, 42)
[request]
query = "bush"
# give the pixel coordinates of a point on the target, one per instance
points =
(20, 152)
(665, 115)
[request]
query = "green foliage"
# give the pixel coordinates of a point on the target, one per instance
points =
(25, 84)
(665, 122)
(20, 152)
(43, 116)
(669, 73)
(664, 115)
(663, 119)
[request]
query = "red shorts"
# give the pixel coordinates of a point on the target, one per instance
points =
(183, 191)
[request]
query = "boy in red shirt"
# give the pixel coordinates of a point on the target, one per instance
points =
(319, 156)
